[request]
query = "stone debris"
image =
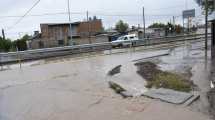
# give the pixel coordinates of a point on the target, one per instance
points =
(126, 94)
(191, 100)
(116, 87)
(120, 90)
(168, 95)
(157, 55)
(115, 70)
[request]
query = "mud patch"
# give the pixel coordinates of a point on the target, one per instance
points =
(147, 70)
(162, 79)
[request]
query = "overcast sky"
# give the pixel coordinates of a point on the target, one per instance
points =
(110, 11)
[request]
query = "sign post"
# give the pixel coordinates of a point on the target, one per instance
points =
(187, 14)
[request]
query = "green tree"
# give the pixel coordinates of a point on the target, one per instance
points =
(157, 25)
(211, 6)
(121, 27)
(169, 27)
(21, 43)
(5, 45)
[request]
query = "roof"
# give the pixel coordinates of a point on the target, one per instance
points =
(67, 23)
(36, 36)
(56, 24)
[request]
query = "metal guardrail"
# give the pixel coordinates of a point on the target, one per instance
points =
(68, 50)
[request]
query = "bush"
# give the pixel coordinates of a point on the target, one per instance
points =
(161, 79)
(171, 81)
(5, 45)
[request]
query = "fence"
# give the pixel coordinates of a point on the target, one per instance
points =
(13, 57)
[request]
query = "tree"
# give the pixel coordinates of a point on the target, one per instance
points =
(157, 25)
(121, 27)
(178, 29)
(211, 6)
(5, 45)
(208, 6)
(169, 27)
(21, 43)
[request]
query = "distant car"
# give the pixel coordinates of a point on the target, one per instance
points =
(126, 40)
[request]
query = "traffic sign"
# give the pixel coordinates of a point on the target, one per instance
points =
(189, 13)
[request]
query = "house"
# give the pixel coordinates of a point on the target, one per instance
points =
(63, 34)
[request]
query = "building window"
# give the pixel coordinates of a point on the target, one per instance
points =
(61, 42)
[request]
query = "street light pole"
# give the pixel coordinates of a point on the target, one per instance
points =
(70, 24)
(3, 34)
(144, 23)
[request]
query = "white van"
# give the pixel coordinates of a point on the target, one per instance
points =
(125, 41)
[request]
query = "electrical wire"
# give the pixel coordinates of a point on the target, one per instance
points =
(44, 14)
(167, 8)
(22, 17)
(81, 13)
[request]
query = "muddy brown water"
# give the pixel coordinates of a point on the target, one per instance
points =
(77, 89)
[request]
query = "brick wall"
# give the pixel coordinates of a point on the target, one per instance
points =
(53, 35)
(93, 39)
(93, 26)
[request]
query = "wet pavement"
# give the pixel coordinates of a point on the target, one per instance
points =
(76, 88)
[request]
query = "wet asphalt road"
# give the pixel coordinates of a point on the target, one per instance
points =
(76, 88)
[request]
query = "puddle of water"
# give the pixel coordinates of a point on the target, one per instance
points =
(182, 58)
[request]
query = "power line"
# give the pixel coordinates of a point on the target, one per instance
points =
(22, 17)
(82, 13)
(43, 14)
(167, 8)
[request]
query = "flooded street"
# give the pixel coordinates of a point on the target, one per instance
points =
(76, 87)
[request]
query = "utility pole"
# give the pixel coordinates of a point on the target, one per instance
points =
(3, 34)
(206, 25)
(70, 24)
(144, 23)
(174, 28)
(186, 8)
(188, 25)
(173, 20)
(183, 24)
(88, 23)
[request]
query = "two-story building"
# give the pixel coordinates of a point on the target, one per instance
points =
(63, 34)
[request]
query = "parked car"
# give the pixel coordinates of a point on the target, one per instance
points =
(126, 40)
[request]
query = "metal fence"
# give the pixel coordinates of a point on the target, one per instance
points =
(19, 56)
